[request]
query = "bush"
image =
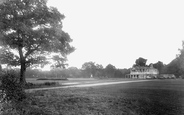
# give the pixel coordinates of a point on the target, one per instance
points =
(50, 83)
(52, 79)
(11, 89)
(42, 79)
(38, 85)
(12, 93)
(14, 100)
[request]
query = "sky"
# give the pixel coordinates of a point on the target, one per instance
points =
(118, 32)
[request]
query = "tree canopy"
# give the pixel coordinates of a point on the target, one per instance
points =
(110, 70)
(29, 31)
(140, 62)
(90, 68)
(176, 66)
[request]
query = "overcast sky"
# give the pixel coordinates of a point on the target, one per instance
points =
(118, 32)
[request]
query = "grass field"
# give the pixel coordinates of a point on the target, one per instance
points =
(69, 81)
(157, 97)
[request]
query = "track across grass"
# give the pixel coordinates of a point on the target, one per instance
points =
(157, 97)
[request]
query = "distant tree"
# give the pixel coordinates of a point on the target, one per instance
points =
(32, 30)
(74, 72)
(140, 62)
(89, 68)
(176, 66)
(118, 73)
(99, 66)
(99, 71)
(110, 70)
(32, 73)
(159, 65)
(125, 72)
(173, 68)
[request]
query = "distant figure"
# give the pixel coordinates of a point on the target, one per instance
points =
(91, 76)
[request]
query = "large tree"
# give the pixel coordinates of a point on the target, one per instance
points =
(110, 70)
(89, 68)
(29, 31)
(140, 62)
(159, 65)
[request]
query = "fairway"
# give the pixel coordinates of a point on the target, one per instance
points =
(156, 97)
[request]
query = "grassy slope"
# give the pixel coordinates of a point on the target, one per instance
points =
(164, 97)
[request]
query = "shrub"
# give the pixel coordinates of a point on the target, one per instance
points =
(52, 79)
(50, 83)
(12, 93)
(38, 85)
(11, 89)
(42, 79)
(14, 100)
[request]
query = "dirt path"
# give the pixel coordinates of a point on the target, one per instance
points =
(86, 85)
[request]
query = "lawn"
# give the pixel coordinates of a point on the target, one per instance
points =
(157, 97)
(33, 83)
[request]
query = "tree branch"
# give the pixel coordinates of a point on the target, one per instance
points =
(30, 51)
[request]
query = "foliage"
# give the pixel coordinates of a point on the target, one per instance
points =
(160, 66)
(14, 100)
(181, 59)
(73, 72)
(11, 89)
(176, 66)
(173, 68)
(52, 79)
(29, 31)
(140, 62)
(40, 85)
(110, 70)
(50, 83)
(59, 62)
(89, 68)
(125, 71)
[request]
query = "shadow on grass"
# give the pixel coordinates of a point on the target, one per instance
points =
(156, 102)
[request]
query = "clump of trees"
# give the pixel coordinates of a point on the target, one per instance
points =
(91, 69)
(140, 62)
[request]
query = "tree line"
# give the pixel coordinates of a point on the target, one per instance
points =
(88, 70)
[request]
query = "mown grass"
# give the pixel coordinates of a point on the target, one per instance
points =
(159, 97)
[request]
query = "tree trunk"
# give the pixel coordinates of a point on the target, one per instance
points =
(22, 79)
(22, 73)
